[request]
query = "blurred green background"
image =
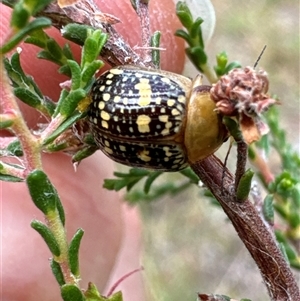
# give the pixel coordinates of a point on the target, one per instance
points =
(190, 246)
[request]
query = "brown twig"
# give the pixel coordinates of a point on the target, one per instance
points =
(142, 11)
(242, 155)
(116, 51)
(253, 231)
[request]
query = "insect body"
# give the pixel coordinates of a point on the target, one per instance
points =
(153, 119)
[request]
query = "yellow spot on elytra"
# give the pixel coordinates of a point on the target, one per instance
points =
(95, 120)
(106, 142)
(108, 150)
(171, 102)
(165, 132)
(158, 100)
(102, 88)
(181, 98)
(175, 112)
(116, 71)
(117, 98)
(165, 80)
(168, 125)
(116, 118)
(108, 82)
(176, 129)
(104, 124)
(163, 118)
(110, 75)
(143, 155)
(122, 148)
(143, 123)
(101, 105)
(104, 115)
(106, 96)
(145, 92)
(167, 151)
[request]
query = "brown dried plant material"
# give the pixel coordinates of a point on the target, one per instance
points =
(242, 93)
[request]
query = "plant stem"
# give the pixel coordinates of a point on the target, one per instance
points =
(30, 145)
(57, 228)
(142, 11)
(253, 231)
(209, 73)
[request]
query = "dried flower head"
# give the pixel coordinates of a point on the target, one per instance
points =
(242, 93)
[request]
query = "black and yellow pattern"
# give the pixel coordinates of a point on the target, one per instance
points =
(138, 117)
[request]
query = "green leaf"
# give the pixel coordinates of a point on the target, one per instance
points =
(197, 55)
(127, 180)
(18, 77)
(65, 69)
(184, 35)
(189, 173)
(63, 95)
(138, 172)
(6, 124)
(76, 33)
(90, 70)
(20, 35)
(54, 49)
(184, 15)
(15, 149)
(63, 127)
(20, 15)
(9, 178)
(73, 251)
(49, 105)
(61, 211)
(268, 208)
(155, 42)
(46, 55)
(116, 297)
(92, 293)
(70, 103)
(196, 33)
(283, 251)
(222, 59)
(294, 219)
(71, 292)
(42, 192)
(28, 97)
(76, 74)
(37, 5)
(113, 184)
(68, 52)
(84, 153)
(233, 128)
(232, 66)
(156, 192)
(244, 185)
(36, 40)
(151, 178)
(92, 47)
(57, 272)
(47, 235)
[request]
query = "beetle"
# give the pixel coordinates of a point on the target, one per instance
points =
(153, 118)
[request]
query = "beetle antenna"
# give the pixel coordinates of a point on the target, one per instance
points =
(259, 57)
